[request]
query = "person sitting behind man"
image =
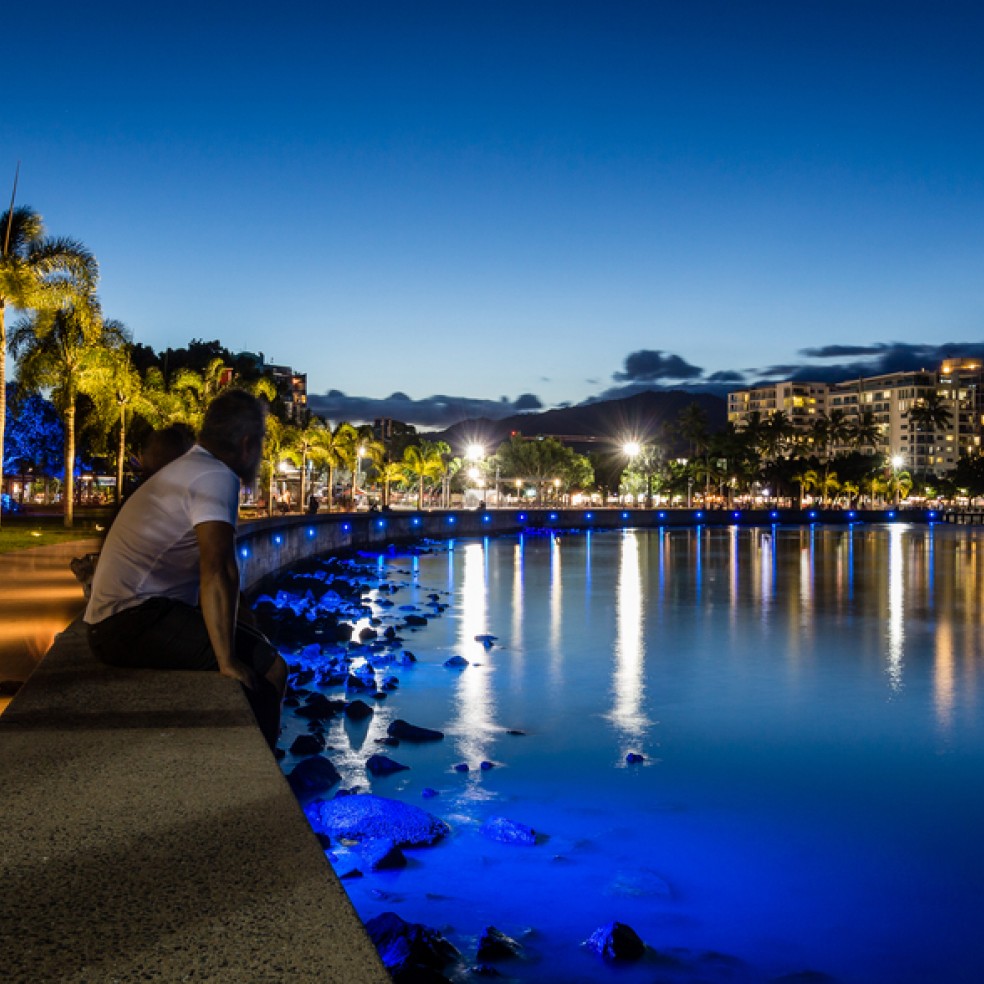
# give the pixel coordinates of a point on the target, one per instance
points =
(165, 593)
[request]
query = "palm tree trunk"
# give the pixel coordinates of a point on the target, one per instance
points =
(303, 502)
(69, 496)
(420, 491)
(331, 484)
(120, 453)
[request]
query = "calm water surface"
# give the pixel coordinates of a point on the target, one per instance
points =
(808, 702)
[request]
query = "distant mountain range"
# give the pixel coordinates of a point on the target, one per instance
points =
(594, 426)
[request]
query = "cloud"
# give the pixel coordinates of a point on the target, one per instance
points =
(433, 412)
(840, 351)
(634, 389)
(648, 365)
(728, 376)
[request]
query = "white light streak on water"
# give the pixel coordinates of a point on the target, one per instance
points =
(556, 608)
(473, 698)
(896, 607)
(628, 685)
(943, 678)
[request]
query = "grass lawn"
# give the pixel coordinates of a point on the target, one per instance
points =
(21, 532)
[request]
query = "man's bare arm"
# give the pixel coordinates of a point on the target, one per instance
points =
(220, 596)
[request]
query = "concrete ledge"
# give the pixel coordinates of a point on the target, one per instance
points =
(148, 835)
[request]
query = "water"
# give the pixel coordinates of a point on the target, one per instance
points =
(808, 705)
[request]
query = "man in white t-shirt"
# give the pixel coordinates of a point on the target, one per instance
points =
(165, 593)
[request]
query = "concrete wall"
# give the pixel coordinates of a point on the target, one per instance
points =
(269, 545)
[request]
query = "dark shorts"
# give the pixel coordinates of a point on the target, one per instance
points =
(164, 634)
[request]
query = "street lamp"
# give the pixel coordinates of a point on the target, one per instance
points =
(897, 462)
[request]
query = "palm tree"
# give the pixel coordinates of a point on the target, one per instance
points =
(865, 433)
(198, 389)
(36, 272)
(930, 413)
(279, 445)
(61, 351)
(335, 449)
(312, 445)
(390, 472)
(692, 423)
(420, 462)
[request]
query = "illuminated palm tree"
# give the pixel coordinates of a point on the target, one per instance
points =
(390, 472)
(60, 351)
(36, 272)
(420, 462)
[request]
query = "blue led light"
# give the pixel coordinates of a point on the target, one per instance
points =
(891, 515)
(700, 514)
(244, 552)
(310, 533)
(486, 518)
(553, 517)
(662, 515)
(932, 514)
(346, 527)
(380, 523)
(850, 514)
(416, 521)
(625, 515)
(812, 514)
(451, 520)
(774, 514)
(278, 539)
(736, 514)
(522, 517)
(589, 515)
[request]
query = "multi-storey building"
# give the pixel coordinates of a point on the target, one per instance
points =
(894, 403)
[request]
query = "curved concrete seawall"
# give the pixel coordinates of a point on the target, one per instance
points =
(270, 545)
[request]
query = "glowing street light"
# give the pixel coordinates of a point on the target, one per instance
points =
(475, 452)
(632, 448)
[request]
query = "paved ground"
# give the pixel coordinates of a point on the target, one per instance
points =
(39, 596)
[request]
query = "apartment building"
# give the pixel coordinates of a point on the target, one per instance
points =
(893, 402)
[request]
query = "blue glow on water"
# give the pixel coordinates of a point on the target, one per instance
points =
(807, 702)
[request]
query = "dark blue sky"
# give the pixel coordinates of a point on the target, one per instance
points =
(491, 199)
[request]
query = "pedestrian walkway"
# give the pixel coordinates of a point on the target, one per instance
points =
(39, 596)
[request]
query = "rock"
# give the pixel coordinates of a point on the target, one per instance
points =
(366, 634)
(382, 765)
(461, 767)
(508, 831)
(485, 765)
(634, 757)
(317, 707)
(324, 840)
(495, 945)
(351, 873)
(382, 854)
(390, 683)
(308, 745)
(428, 793)
(405, 731)
(312, 777)
(279, 754)
(353, 682)
(488, 641)
(414, 621)
(358, 710)
(411, 952)
(484, 970)
(366, 817)
(516, 731)
(455, 662)
(616, 942)
(407, 658)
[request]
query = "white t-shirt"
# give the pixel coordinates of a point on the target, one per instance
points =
(151, 550)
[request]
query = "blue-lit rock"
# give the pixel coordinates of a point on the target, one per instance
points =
(616, 942)
(365, 817)
(382, 854)
(382, 765)
(508, 831)
(495, 945)
(634, 758)
(456, 662)
(405, 731)
(488, 641)
(312, 777)
(312, 744)
(411, 952)
(358, 710)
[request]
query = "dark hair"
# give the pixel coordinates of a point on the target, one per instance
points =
(164, 446)
(231, 416)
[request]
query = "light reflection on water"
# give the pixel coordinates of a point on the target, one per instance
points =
(809, 706)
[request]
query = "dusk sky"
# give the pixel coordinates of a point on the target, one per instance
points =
(515, 203)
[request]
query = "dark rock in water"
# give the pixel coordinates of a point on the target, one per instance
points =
(405, 731)
(485, 765)
(351, 873)
(411, 952)
(324, 840)
(455, 662)
(292, 702)
(358, 710)
(279, 754)
(319, 708)
(389, 632)
(516, 731)
(508, 831)
(485, 970)
(366, 817)
(407, 657)
(488, 641)
(353, 682)
(495, 945)
(308, 745)
(414, 620)
(390, 683)
(367, 634)
(301, 678)
(616, 942)
(382, 854)
(634, 757)
(428, 793)
(389, 740)
(461, 767)
(312, 777)
(381, 765)
(804, 977)
(380, 695)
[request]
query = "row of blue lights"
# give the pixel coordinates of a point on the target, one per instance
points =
(522, 517)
